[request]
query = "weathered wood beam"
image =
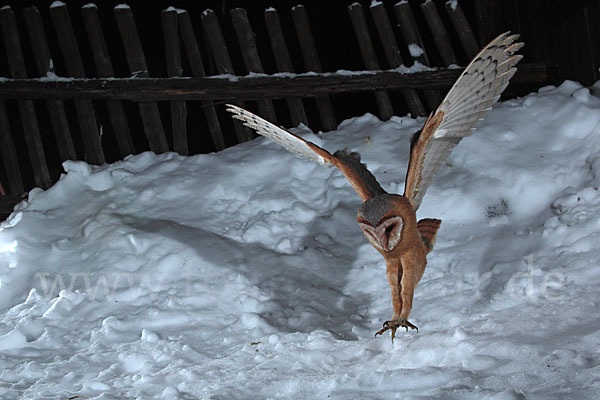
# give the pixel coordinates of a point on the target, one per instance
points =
(104, 69)
(195, 61)
(365, 44)
(175, 69)
(43, 60)
(253, 87)
(86, 115)
(31, 130)
(136, 60)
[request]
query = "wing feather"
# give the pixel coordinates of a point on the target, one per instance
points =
(467, 103)
(361, 179)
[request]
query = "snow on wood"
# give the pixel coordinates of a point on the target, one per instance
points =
(415, 50)
(453, 4)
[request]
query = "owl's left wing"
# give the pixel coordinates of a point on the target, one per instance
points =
(363, 182)
(467, 102)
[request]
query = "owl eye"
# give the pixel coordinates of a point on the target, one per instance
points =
(392, 229)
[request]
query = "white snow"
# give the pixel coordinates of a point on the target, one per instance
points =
(57, 3)
(453, 4)
(243, 274)
(415, 50)
(122, 7)
(89, 5)
(52, 77)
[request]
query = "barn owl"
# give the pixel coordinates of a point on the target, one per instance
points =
(388, 220)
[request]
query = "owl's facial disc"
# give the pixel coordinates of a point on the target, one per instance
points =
(386, 235)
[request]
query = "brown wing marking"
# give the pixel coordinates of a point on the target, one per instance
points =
(428, 228)
(418, 151)
(363, 182)
(361, 179)
(467, 103)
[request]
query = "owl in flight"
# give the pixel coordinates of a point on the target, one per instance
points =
(389, 220)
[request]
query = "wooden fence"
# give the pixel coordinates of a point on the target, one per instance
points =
(81, 107)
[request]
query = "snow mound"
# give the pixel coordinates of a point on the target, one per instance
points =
(243, 274)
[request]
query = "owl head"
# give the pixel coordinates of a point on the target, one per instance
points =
(383, 219)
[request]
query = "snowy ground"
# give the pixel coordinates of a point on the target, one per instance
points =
(243, 274)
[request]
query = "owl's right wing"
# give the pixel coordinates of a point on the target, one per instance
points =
(361, 179)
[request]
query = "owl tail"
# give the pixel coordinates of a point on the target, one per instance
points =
(428, 228)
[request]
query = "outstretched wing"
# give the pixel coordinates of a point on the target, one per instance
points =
(467, 102)
(363, 182)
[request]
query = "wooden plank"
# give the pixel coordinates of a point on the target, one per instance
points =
(462, 28)
(193, 55)
(392, 52)
(247, 87)
(283, 63)
(359, 22)
(247, 41)
(218, 48)
(56, 108)
(9, 154)
(409, 29)
(16, 63)
(439, 33)
(312, 63)
(137, 65)
(489, 14)
(104, 69)
(174, 69)
(84, 109)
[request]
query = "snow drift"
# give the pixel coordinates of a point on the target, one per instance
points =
(243, 274)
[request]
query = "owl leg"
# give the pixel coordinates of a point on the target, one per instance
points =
(394, 272)
(402, 295)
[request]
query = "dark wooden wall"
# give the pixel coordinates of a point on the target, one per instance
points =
(561, 32)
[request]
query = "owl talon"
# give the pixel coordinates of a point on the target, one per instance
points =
(394, 325)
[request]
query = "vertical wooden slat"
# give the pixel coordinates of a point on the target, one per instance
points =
(212, 28)
(312, 63)
(463, 28)
(283, 63)
(104, 69)
(9, 154)
(84, 109)
(440, 35)
(193, 54)
(174, 69)
(138, 67)
(31, 130)
(489, 15)
(247, 41)
(392, 52)
(409, 29)
(357, 16)
(56, 108)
